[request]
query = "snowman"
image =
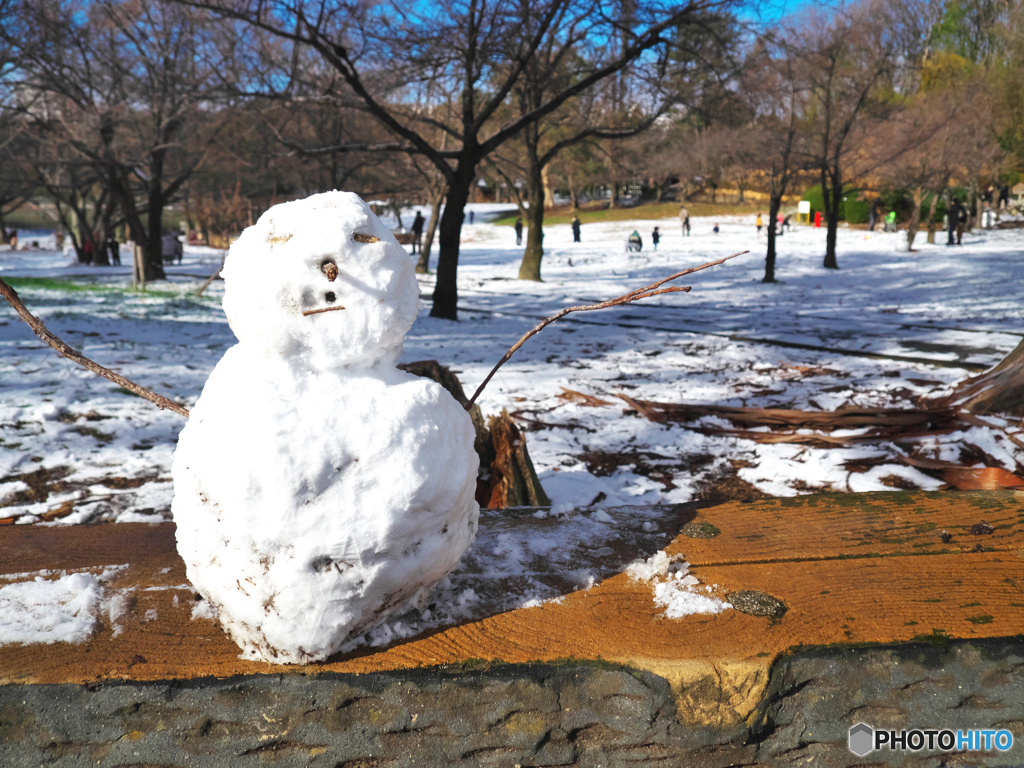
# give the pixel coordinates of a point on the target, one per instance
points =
(319, 489)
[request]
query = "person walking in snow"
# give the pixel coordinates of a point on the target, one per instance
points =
(1004, 197)
(655, 237)
(952, 219)
(635, 242)
(576, 229)
(873, 215)
(417, 232)
(470, 215)
(519, 231)
(715, 230)
(684, 219)
(115, 251)
(759, 223)
(961, 223)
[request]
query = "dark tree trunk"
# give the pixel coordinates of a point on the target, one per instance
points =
(423, 265)
(529, 269)
(769, 262)
(446, 292)
(833, 198)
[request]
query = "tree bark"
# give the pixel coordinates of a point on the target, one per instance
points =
(1000, 390)
(931, 218)
(833, 198)
(529, 269)
(446, 292)
(769, 262)
(423, 265)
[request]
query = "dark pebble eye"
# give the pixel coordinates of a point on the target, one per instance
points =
(330, 296)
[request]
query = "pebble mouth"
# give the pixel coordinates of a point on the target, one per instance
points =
(318, 311)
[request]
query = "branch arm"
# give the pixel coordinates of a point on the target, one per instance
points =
(64, 350)
(640, 293)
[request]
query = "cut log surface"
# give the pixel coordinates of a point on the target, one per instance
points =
(839, 569)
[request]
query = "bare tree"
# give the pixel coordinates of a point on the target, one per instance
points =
(849, 60)
(127, 82)
(398, 60)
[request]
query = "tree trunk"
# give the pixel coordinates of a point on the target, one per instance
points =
(915, 218)
(423, 265)
(549, 196)
(446, 291)
(531, 257)
(529, 269)
(769, 263)
(931, 218)
(833, 197)
(1000, 390)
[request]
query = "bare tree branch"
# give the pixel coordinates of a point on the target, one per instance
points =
(640, 293)
(66, 351)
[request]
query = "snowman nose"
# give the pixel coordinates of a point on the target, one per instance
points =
(330, 269)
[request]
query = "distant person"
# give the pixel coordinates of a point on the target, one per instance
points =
(952, 218)
(576, 229)
(715, 230)
(167, 248)
(786, 223)
(115, 251)
(179, 249)
(12, 238)
(961, 223)
(519, 231)
(1004, 197)
(988, 195)
(87, 250)
(655, 237)
(759, 223)
(817, 219)
(417, 232)
(470, 215)
(988, 217)
(635, 243)
(778, 224)
(684, 219)
(873, 215)
(58, 238)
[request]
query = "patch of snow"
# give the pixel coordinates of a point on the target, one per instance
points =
(675, 589)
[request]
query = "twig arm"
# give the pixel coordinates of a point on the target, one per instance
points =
(640, 293)
(66, 351)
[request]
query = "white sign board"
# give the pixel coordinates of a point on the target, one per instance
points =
(804, 206)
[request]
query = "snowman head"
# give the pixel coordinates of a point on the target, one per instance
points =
(321, 282)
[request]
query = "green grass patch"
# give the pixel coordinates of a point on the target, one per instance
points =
(56, 284)
(651, 211)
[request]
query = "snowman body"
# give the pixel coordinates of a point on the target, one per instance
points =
(318, 489)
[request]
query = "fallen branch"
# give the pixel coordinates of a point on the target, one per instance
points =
(66, 351)
(844, 418)
(640, 293)
(212, 277)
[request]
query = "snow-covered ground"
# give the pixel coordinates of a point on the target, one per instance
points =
(887, 327)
